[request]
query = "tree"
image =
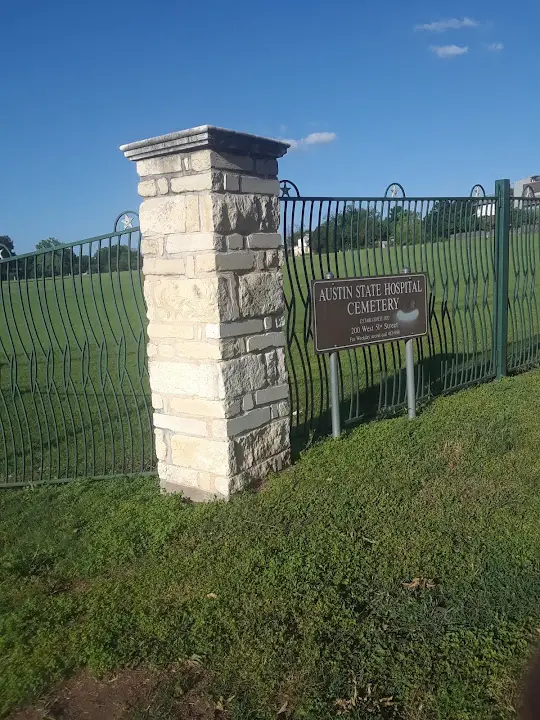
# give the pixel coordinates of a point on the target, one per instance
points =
(49, 243)
(7, 242)
(53, 259)
(116, 258)
(349, 228)
(6, 250)
(405, 227)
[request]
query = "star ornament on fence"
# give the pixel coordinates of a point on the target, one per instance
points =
(285, 190)
(127, 222)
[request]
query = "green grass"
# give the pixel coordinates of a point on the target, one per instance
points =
(74, 392)
(297, 594)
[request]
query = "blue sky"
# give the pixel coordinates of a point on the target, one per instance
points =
(389, 100)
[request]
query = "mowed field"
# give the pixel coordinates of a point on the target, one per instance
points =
(74, 392)
(458, 348)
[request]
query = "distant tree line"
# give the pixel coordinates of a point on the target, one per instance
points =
(355, 227)
(52, 258)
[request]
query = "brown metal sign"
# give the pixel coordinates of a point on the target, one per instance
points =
(350, 312)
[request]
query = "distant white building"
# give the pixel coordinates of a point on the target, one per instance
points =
(302, 245)
(486, 209)
(528, 187)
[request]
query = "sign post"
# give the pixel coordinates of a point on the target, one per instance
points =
(351, 312)
(334, 386)
(409, 370)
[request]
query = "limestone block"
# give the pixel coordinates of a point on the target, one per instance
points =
(209, 350)
(184, 378)
(231, 182)
(164, 215)
(152, 246)
(255, 473)
(182, 331)
(163, 165)
(147, 188)
(161, 446)
(235, 242)
(267, 340)
(214, 456)
(264, 241)
(197, 183)
(157, 401)
(193, 223)
(273, 259)
(204, 408)
(227, 161)
(259, 186)
(165, 350)
(252, 419)
(199, 300)
(162, 266)
(242, 260)
(232, 348)
(280, 410)
(242, 375)
(191, 242)
(261, 293)
(276, 367)
(272, 394)
(201, 160)
(261, 443)
(187, 426)
(243, 214)
(234, 329)
(205, 262)
(162, 186)
(173, 475)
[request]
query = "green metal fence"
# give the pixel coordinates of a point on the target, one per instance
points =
(74, 391)
(480, 255)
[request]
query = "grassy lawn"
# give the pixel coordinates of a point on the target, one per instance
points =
(74, 391)
(394, 573)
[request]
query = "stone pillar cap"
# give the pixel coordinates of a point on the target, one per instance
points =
(205, 137)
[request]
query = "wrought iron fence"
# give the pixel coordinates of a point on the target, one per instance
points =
(461, 243)
(74, 391)
(523, 315)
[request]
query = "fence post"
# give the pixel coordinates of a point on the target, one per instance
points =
(502, 243)
(214, 294)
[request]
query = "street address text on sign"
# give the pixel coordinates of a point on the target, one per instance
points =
(350, 312)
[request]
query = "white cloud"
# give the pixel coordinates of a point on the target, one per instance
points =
(450, 24)
(316, 138)
(495, 47)
(320, 138)
(449, 51)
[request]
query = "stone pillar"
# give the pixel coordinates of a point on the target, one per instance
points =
(213, 288)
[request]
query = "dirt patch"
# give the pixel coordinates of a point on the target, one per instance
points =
(180, 693)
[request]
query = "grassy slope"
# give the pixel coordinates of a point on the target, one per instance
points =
(307, 575)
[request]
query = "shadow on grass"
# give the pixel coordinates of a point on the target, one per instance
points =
(440, 374)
